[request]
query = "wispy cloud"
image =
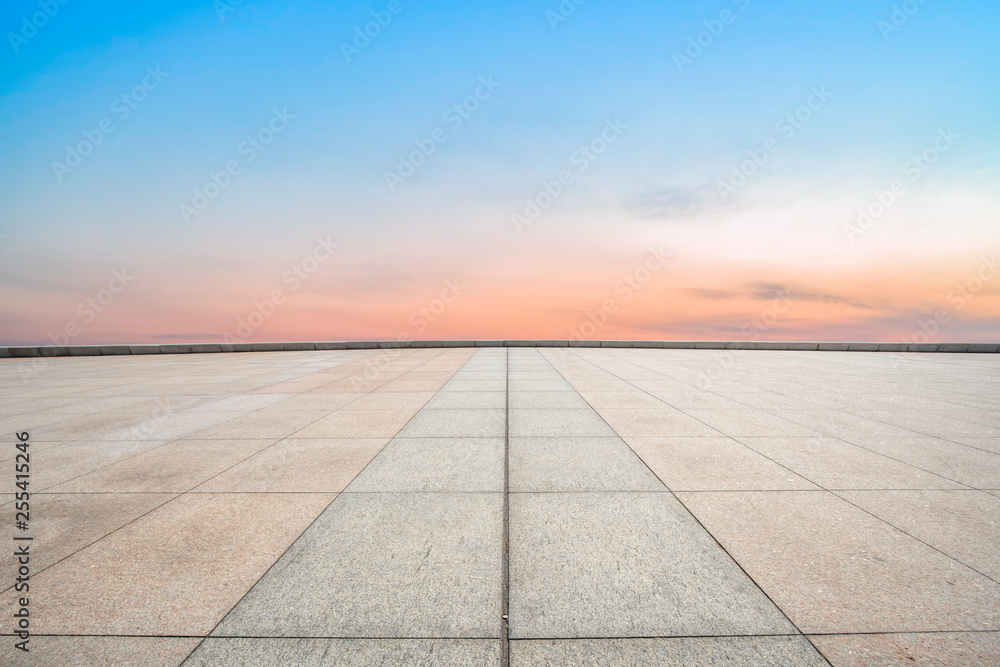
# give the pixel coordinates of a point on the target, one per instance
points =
(768, 291)
(675, 204)
(712, 293)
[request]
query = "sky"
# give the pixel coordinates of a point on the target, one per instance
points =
(430, 169)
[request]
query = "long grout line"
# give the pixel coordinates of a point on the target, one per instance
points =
(514, 493)
(988, 631)
(505, 563)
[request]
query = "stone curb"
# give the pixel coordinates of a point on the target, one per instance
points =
(107, 350)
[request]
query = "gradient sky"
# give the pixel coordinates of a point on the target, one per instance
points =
(640, 242)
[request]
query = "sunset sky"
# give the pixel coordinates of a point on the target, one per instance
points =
(259, 170)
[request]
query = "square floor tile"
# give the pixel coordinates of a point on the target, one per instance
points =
(835, 464)
(385, 565)
(166, 566)
(352, 652)
(262, 424)
(959, 649)
(713, 464)
(434, 465)
(966, 465)
(65, 523)
(624, 565)
(90, 651)
(173, 468)
(299, 464)
(750, 422)
(59, 464)
(698, 651)
(577, 464)
(468, 400)
(463, 423)
(557, 422)
(661, 423)
(834, 568)
(358, 424)
(963, 524)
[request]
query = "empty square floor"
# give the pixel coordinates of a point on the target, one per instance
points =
(493, 506)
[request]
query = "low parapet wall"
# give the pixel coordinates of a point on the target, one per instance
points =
(201, 348)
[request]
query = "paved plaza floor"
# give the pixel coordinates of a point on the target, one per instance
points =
(522, 506)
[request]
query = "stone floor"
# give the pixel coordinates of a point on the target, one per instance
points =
(689, 507)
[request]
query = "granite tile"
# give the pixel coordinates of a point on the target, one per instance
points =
(167, 567)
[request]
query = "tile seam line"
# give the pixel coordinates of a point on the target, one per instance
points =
(524, 639)
(776, 634)
(695, 518)
(825, 489)
(480, 492)
(505, 562)
(305, 530)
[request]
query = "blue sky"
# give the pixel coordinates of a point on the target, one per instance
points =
(558, 85)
